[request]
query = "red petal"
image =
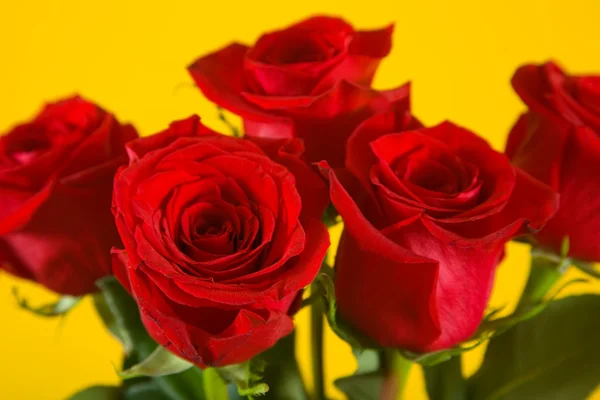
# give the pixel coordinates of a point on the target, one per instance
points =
(537, 145)
(578, 216)
(220, 76)
(464, 283)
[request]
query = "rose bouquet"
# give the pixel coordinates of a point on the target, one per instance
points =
(198, 247)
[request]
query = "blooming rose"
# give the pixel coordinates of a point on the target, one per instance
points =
(427, 213)
(311, 80)
(56, 175)
(220, 238)
(558, 142)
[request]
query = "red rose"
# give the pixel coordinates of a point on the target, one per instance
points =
(56, 175)
(558, 142)
(310, 81)
(220, 239)
(427, 213)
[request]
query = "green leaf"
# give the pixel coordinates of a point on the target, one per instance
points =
(528, 310)
(57, 309)
(367, 382)
(367, 360)
(362, 386)
(144, 390)
(552, 356)
(160, 363)
(113, 322)
(489, 328)
(98, 393)
(120, 314)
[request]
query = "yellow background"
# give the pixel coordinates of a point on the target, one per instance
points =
(130, 56)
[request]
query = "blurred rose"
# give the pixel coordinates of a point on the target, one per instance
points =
(56, 175)
(558, 141)
(311, 80)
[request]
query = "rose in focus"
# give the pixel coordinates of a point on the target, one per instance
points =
(311, 81)
(220, 237)
(558, 141)
(427, 213)
(56, 175)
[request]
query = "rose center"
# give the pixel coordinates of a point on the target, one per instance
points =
(433, 176)
(22, 148)
(295, 50)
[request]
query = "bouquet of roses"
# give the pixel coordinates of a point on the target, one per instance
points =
(197, 246)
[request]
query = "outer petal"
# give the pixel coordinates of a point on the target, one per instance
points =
(18, 207)
(360, 157)
(537, 145)
(310, 185)
(390, 300)
(120, 266)
(367, 48)
(360, 289)
(324, 23)
(548, 91)
(531, 84)
(103, 145)
(464, 283)
(220, 77)
(207, 336)
(70, 258)
(324, 122)
(189, 127)
(578, 216)
(11, 263)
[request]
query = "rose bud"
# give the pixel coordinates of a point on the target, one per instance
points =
(427, 213)
(311, 80)
(56, 175)
(558, 141)
(220, 239)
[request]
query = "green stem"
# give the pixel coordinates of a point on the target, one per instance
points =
(215, 388)
(544, 273)
(282, 372)
(397, 370)
(316, 327)
(445, 381)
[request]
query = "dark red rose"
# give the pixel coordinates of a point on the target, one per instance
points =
(56, 175)
(558, 141)
(311, 80)
(427, 213)
(220, 239)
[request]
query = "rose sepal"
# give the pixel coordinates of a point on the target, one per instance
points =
(247, 377)
(59, 308)
(160, 362)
